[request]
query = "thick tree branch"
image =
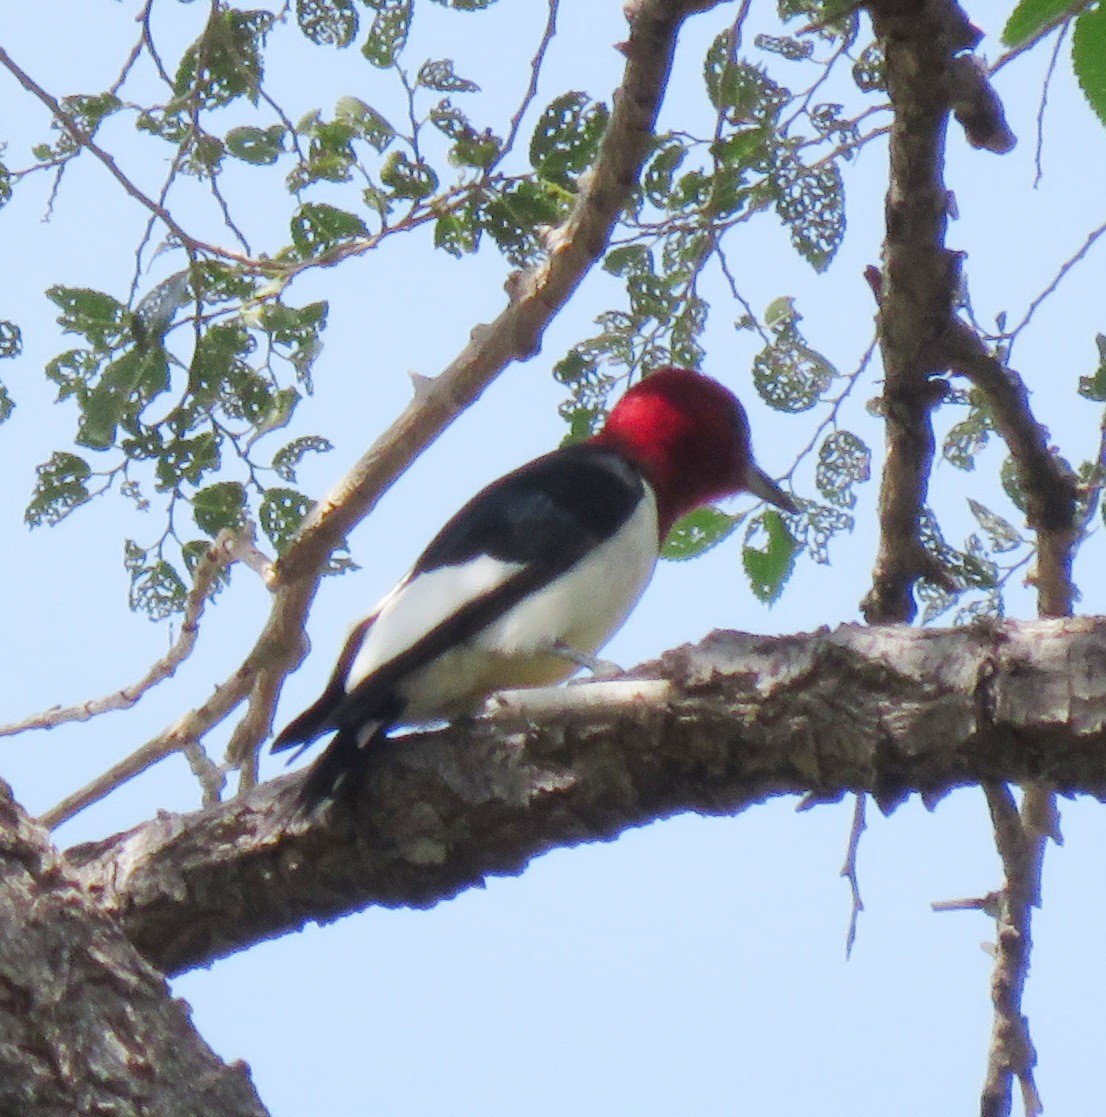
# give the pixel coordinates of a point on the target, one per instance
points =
(714, 728)
(930, 72)
(919, 282)
(86, 1026)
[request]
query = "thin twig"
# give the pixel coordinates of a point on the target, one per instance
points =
(85, 140)
(848, 870)
(228, 548)
(531, 89)
(1038, 152)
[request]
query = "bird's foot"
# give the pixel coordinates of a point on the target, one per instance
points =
(600, 668)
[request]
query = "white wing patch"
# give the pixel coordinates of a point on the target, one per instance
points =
(420, 604)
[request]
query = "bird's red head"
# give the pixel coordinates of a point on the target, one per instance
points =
(690, 438)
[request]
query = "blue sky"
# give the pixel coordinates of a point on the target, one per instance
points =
(695, 965)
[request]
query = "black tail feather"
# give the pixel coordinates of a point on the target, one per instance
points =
(337, 774)
(312, 723)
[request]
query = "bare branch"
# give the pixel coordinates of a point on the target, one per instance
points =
(229, 547)
(1011, 1052)
(83, 139)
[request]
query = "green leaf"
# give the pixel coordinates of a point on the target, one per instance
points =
(744, 93)
(1029, 17)
(457, 232)
(225, 61)
(218, 506)
(1088, 56)
(88, 110)
(1094, 387)
(5, 185)
(967, 439)
(794, 50)
(811, 202)
(1002, 534)
(513, 218)
(566, 137)
(7, 404)
(844, 460)
(788, 373)
(156, 588)
(260, 146)
(288, 457)
(327, 22)
(439, 74)
(697, 533)
(406, 179)
(769, 566)
(466, 5)
(100, 318)
(217, 361)
(317, 226)
(282, 512)
(817, 524)
(155, 311)
(365, 121)
(187, 460)
(60, 486)
(659, 173)
(11, 340)
(127, 385)
(193, 552)
(388, 34)
(470, 148)
(298, 330)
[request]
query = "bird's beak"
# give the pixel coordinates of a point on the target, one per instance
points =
(760, 484)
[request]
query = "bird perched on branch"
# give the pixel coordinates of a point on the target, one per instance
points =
(534, 574)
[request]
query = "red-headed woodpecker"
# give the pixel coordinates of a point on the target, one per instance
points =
(534, 574)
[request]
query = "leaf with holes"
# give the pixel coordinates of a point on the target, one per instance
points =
(218, 506)
(697, 533)
(100, 318)
(388, 34)
(365, 122)
(11, 340)
(768, 555)
(156, 588)
(406, 179)
(844, 460)
(788, 374)
(61, 484)
(811, 202)
(566, 137)
(327, 22)
(288, 457)
(438, 74)
(317, 226)
(260, 146)
(282, 512)
(1002, 534)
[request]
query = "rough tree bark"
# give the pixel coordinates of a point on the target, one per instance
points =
(714, 728)
(87, 1026)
